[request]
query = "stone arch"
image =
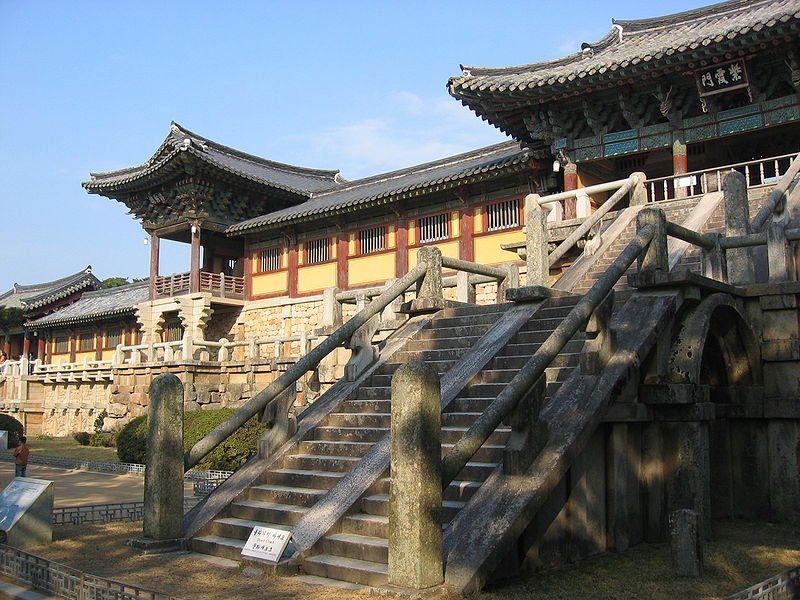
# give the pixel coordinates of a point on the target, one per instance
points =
(716, 345)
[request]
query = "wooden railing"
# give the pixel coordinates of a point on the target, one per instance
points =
(219, 284)
(759, 172)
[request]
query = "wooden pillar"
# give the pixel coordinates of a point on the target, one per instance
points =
(194, 269)
(26, 345)
(466, 242)
(7, 346)
(401, 249)
(41, 349)
(153, 264)
(680, 161)
(292, 268)
(570, 183)
(341, 261)
(98, 344)
(248, 272)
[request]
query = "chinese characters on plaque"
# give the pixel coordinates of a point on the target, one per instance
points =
(719, 78)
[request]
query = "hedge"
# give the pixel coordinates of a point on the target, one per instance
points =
(13, 427)
(228, 456)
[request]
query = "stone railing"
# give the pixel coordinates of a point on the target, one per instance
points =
(85, 370)
(756, 173)
(278, 348)
(66, 582)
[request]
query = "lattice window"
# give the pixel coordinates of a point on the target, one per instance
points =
(173, 331)
(85, 341)
(270, 259)
(62, 344)
(113, 338)
(435, 228)
(503, 215)
(372, 239)
(318, 251)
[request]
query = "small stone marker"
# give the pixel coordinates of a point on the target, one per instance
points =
(26, 512)
(686, 543)
(266, 543)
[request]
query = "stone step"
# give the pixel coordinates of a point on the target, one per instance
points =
(523, 349)
(285, 494)
(369, 525)
(454, 342)
(517, 362)
(474, 309)
(347, 569)
(433, 355)
(335, 447)
(323, 480)
(321, 462)
(362, 547)
(467, 331)
(488, 319)
(370, 402)
(352, 419)
(267, 512)
(458, 490)
(215, 545)
(349, 434)
(505, 375)
(378, 504)
(239, 529)
(441, 366)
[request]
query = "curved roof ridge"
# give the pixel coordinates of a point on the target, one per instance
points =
(421, 168)
(24, 287)
(306, 171)
(712, 10)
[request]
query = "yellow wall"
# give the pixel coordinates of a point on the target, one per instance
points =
(89, 355)
(108, 354)
(448, 249)
(318, 277)
(56, 358)
(489, 252)
(371, 269)
(270, 283)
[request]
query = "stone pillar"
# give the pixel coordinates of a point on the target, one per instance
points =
(430, 296)
(656, 256)
(195, 312)
(686, 543)
(737, 222)
(194, 268)
(415, 500)
(680, 162)
(617, 475)
(163, 480)
(687, 449)
(536, 241)
(570, 183)
(154, 250)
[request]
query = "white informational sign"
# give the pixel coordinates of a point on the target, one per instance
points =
(266, 543)
(18, 496)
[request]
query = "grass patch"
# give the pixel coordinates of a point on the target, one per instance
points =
(67, 447)
(739, 555)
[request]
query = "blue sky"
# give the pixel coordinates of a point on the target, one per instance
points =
(357, 86)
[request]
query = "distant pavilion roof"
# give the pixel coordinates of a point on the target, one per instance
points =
(96, 305)
(31, 297)
(629, 50)
(446, 173)
(168, 160)
(190, 177)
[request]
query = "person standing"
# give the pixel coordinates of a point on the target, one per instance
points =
(21, 457)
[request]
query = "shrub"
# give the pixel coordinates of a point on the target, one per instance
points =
(99, 421)
(13, 427)
(44, 437)
(102, 440)
(132, 439)
(82, 437)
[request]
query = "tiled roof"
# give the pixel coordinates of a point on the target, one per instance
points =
(97, 305)
(630, 47)
(389, 187)
(29, 297)
(163, 164)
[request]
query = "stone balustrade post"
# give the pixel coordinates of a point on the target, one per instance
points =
(163, 480)
(391, 317)
(714, 265)
(656, 256)
(528, 433)
(536, 244)
(223, 354)
(638, 194)
(362, 351)
(779, 256)
(599, 347)
(430, 295)
(253, 349)
(510, 281)
(465, 290)
(415, 498)
(119, 357)
(331, 310)
(737, 223)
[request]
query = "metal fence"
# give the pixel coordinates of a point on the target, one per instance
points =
(784, 586)
(98, 513)
(66, 582)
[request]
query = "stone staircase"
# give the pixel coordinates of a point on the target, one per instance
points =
(285, 492)
(356, 550)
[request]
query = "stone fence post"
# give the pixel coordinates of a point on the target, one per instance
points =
(737, 222)
(415, 499)
(536, 241)
(163, 479)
